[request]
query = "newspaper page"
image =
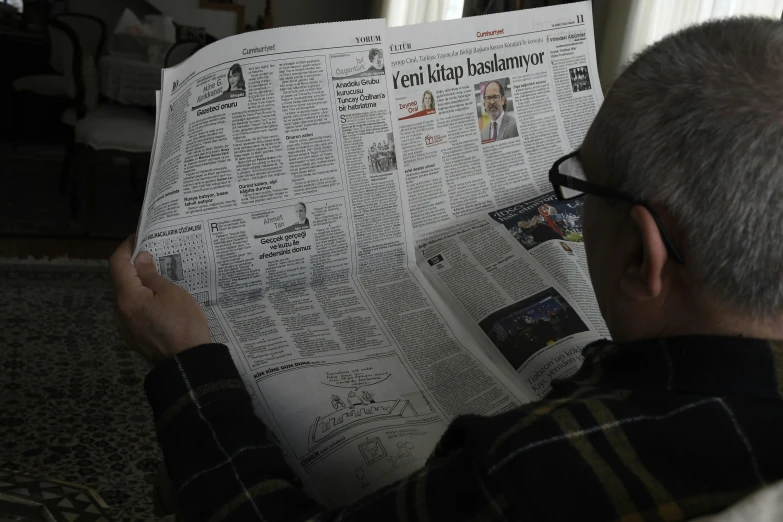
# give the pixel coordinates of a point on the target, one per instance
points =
(274, 197)
(483, 106)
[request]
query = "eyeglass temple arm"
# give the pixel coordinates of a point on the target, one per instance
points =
(667, 240)
(581, 185)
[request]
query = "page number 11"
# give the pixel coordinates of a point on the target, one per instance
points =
(580, 19)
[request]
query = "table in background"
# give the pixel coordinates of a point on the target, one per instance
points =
(129, 81)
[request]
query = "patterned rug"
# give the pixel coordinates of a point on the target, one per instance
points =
(72, 403)
(31, 204)
(24, 498)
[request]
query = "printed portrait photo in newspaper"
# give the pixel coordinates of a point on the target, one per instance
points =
(523, 328)
(171, 267)
(300, 216)
(416, 104)
(230, 87)
(281, 221)
(428, 102)
(355, 65)
(542, 219)
(376, 59)
(495, 110)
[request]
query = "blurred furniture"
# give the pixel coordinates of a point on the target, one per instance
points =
(36, 13)
(235, 8)
(79, 39)
(49, 85)
(269, 18)
(101, 131)
(27, 55)
(9, 15)
(179, 52)
(129, 81)
(91, 32)
(187, 33)
(45, 80)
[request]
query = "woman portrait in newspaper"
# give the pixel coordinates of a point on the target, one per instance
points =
(236, 81)
(234, 89)
(427, 101)
(376, 59)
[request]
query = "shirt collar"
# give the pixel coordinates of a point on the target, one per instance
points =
(705, 365)
(500, 118)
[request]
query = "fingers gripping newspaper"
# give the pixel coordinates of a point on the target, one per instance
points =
(287, 194)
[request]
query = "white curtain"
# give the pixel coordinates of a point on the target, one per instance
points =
(405, 12)
(648, 21)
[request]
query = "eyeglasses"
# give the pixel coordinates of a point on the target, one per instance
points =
(569, 181)
(493, 98)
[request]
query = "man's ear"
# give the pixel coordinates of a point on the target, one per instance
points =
(643, 276)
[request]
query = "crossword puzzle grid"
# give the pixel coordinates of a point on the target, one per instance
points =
(193, 252)
(192, 249)
(218, 334)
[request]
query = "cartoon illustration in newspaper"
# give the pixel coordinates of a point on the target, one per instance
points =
(342, 399)
(360, 406)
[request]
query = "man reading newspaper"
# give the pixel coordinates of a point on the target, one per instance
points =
(678, 417)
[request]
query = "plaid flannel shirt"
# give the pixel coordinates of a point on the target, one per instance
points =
(665, 429)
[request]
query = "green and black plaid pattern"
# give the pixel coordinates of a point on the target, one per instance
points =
(659, 430)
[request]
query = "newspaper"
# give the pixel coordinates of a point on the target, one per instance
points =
(377, 256)
(482, 111)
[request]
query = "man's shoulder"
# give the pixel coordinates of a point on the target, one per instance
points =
(509, 126)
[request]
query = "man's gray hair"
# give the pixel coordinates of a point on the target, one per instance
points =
(695, 124)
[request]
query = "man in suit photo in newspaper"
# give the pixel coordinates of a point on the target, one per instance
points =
(502, 125)
(300, 211)
(679, 416)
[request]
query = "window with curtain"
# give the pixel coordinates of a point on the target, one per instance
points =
(405, 12)
(650, 20)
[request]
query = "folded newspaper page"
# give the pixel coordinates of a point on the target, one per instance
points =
(364, 217)
(483, 107)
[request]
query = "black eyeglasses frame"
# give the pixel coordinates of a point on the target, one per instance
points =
(560, 180)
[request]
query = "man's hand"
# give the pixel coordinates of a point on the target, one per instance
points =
(156, 318)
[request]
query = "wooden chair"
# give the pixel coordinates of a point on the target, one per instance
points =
(54, 85)
(90, 36)
(36, 88)
(181, 51)
(101, 131)
(47, 85)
